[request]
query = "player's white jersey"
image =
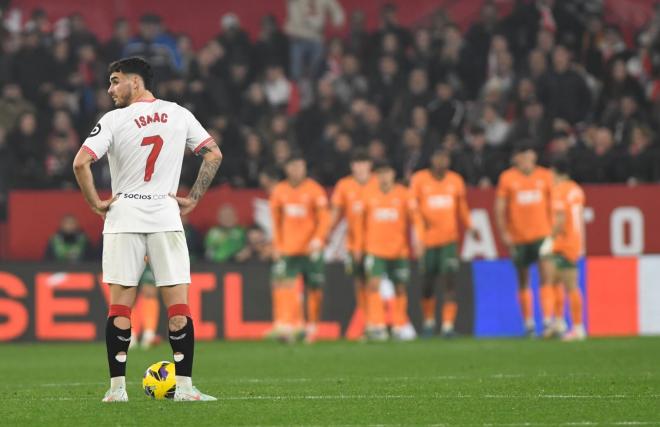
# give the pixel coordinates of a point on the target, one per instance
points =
(145, 143)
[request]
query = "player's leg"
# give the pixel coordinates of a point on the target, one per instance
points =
(569, 275)
(122, 265)
(286, 301)
(449, 268)
(355, 269)
(398, 271)
(547, 292)
(428, 266)
(149, 308)
(168, 256)
(314, 279)
(375, 309)
(150, 313)
(525, 299)
(560, 309)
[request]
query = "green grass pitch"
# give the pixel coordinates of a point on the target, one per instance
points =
(465, 382)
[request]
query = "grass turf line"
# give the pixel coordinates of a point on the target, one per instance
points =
(464, 382)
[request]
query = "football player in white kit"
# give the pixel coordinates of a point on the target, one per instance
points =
(145, 139)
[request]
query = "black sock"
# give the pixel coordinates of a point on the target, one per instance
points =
(183, 342)
(116, 341)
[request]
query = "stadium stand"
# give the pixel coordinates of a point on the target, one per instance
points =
(554, 72)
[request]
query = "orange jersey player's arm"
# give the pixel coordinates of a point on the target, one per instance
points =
(500, 209)
(322, 215)
(550, 198)
(360, 229)
(415, 192)
(559, 209)
(277, 215)
(463, 208)
(416, 219)
(337, 205)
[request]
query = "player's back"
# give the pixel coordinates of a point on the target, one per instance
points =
(387, 221)
(528, 203)
(569, 198)
(145, 143)
(438, 201)
(348, 196)
(297, 212)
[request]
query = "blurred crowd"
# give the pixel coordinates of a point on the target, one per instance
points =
(553, 73)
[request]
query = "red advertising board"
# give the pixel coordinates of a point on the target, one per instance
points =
(620, 220)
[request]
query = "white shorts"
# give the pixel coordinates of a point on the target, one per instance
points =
(123, 258)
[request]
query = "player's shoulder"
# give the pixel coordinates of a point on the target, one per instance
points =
(456, 177)
(173, 105)
(543, 171)
(576, 189)
(344, 182)
(401, 189)
(280, 187)
(508, 174)
(420, 175)
(312, 185)
(109, 118)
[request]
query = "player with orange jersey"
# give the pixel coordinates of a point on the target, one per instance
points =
(523, 212)
(568, 233)
(299, 208)
(347, 203)
(387, 216)
(440, 195)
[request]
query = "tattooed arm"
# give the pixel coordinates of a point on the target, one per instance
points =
(212, 159)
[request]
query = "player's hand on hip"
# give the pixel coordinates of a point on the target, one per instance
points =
(103, 206)
(186, 204)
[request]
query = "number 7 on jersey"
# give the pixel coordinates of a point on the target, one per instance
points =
(157, 143)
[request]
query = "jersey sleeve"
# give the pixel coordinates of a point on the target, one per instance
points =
(414, 215)
(337, 199)
(276, 214)
(322, 214)
(196, 136)
(100, 138)
(415, 185)
(502, 186)
(463, 208)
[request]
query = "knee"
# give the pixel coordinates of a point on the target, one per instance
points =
(177, 323)
(122, 322)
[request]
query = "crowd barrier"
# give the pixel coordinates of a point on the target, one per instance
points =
(55, 302)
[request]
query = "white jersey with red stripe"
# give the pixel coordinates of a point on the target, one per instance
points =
(145, 143)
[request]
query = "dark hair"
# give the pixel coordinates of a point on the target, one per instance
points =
(134, 65)
(561, 166)
(382, 165)
(441, 151)
(295, 155)
(522, 146)
(360, 155)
